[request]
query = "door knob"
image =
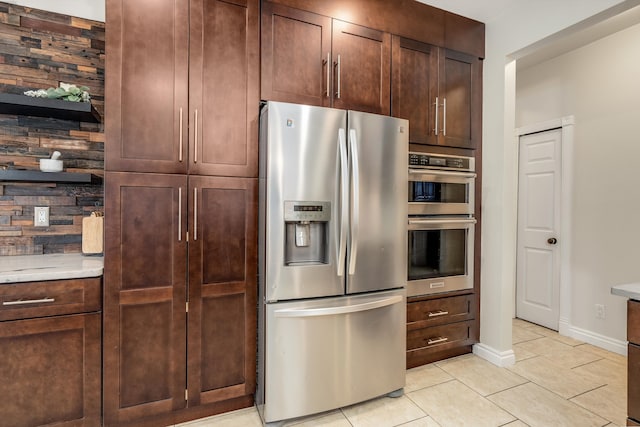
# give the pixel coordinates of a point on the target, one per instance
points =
(552, 240)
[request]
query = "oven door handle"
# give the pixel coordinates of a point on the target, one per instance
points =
(436, 221)
(430, 172)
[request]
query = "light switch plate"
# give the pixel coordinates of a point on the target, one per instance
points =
(41, 216)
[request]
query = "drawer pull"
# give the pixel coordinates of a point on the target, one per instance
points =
(437, 340)
(438, 313)
(28, 301)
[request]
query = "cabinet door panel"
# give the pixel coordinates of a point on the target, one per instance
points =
(222, 289)
(633, 398)
(296, 48)
(460, 80)
(145, 287)
(415, 87)
(147, 85)
(224, 55)
(50, 370)
(362, 79)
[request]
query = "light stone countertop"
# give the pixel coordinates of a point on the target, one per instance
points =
(629, 290)
(35, 268)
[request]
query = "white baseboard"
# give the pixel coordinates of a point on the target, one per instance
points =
(611, 344)
(498, 358)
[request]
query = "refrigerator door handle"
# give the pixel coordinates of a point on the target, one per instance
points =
(355, 207)
(344, 200)
(345, 309)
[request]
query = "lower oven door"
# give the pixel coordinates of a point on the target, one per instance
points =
(440, 255)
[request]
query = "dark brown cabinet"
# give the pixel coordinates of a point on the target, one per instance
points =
(182, 87)
(633, 360)
(50, 341)
(145, 295)
(439, 91)
(438, 328)
(166, 348)
(312, 59)
(222, 317)
(182, 104)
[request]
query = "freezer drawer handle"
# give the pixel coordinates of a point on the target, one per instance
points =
(332, 311)
(29, 301)
(438, 313)
(437, 340)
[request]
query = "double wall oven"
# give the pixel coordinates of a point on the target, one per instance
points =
(441, 223)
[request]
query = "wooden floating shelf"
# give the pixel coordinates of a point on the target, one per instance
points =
(37, 176)
(45, 107)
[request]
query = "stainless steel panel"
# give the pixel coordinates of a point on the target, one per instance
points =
(300, 163)
(377, 249)
(329, 353)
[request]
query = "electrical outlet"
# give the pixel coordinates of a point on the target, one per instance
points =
(600, 311)
(41, 216)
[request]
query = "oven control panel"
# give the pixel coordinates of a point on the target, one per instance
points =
(440, 161)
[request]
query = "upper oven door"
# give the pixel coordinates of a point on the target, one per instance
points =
(437, 192)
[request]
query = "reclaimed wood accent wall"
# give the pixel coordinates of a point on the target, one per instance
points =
(38, 50)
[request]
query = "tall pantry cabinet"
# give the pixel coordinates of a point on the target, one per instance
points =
(181, 209)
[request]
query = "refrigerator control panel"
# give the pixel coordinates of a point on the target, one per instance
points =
(307, 211)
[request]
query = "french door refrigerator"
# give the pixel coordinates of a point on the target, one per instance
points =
(332, 259)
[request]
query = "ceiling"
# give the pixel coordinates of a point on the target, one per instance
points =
(480, 10)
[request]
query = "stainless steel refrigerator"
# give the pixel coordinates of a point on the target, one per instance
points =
(332, 259)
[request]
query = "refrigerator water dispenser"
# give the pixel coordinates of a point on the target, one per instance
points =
(306, 232)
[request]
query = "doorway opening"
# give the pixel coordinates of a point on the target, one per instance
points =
(544, 229)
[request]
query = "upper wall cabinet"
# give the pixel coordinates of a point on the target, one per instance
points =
(439, 91)
(184, 99)
(312, 59)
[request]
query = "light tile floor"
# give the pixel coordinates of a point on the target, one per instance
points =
(556, 381)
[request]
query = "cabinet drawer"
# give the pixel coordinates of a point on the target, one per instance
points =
(50, 298)
(633, 321)
(441, 337)
(633, 386)
(439, 311)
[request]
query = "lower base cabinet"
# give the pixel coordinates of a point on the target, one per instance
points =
(439, 328)
(633, 361)
(50, 367)
(633, 398)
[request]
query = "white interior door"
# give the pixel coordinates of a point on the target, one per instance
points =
(538, 257)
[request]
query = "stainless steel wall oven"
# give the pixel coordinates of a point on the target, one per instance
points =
(441, 226)
(441, 185)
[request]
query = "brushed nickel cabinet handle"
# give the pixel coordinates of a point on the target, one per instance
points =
(328, 72)
(195, 214)
(195, 140)
(444, 117)
(438, 313)
(338, 64)
(435, 131)
(29, 301)
(181, 127)
(179, 214)
(437, 340)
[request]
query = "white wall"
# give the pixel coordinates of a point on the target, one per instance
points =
(525, 23)
(89, 9)
(598, 84)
